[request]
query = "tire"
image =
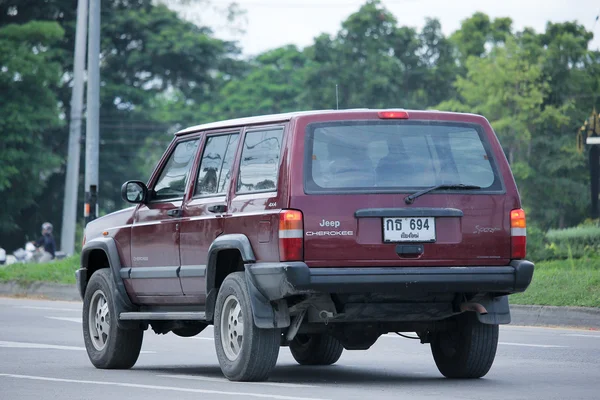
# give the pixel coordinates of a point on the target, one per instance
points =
(107, 345)
(321, 349)
(253, 357)
(467, 352)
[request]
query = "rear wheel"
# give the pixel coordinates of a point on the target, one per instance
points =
(245, 352)
(320, 349)
(107, 345)
(468, 351)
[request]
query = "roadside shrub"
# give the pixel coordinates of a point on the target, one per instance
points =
(537, 249)
(577, 242)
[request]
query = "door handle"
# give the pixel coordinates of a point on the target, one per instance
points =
(176, 212)
(217, 208)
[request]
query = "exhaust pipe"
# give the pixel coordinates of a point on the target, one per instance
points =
(295, 326)
(478, 308)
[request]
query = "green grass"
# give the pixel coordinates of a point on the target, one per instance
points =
(572, 282)
(62, 271)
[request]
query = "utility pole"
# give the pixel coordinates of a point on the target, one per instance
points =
(93, 114)
(591, 129)
(69, 216)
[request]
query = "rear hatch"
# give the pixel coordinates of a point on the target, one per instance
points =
(358, 174)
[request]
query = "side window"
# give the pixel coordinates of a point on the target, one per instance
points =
(210, 166)
(260, 161)
(173, 179)
(225, 176)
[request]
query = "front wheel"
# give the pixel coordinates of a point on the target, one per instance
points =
(468, 351)
(319, 349)
(107, 345)
(245, 352)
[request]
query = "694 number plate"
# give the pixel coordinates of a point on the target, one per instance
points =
(409, 229)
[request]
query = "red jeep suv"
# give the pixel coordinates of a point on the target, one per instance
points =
(316, 230)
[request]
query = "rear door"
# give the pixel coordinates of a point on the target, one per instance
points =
(258, 195)
(358, 173)
(204, 213)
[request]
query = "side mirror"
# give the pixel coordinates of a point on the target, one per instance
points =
(134, 192)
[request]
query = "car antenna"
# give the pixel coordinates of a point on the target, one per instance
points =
(337, 98)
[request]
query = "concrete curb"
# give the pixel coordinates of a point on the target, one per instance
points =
(574, 317)
(50, 291)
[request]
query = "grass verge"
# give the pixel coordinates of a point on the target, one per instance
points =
(555, 283)
(61, 271)
(574, 282)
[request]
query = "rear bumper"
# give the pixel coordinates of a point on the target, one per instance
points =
(279, 280)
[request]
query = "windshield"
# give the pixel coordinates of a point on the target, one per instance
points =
(397, 156)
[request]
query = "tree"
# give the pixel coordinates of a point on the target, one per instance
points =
(509, 91)
(374, 62)
(29, 109)
(147, 53)
(533, 87)
(273, 84)
(478, 31)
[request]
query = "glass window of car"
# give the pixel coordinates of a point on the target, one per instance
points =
(210, 166)
(260, 161)
(397, 156)
(173, 179)
(225, 175)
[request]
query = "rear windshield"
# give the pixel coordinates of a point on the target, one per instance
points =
(396, 156)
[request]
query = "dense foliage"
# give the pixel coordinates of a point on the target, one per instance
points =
(160, 72)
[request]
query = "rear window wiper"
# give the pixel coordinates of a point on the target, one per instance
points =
(411, 198)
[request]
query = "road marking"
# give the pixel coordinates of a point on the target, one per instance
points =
(25, 345)
(532, 345)
(50, 308)
(580, 335)
(70, 319)
(156, 387)
(223, 380)
(201, 338)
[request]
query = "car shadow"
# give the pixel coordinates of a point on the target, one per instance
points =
(340, 375)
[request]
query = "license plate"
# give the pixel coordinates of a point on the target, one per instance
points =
(409, 229)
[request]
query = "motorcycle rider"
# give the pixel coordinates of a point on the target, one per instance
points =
(46, 243)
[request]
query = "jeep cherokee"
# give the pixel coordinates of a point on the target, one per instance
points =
(317, 230)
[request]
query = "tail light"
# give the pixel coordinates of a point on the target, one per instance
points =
(291, 236)
(518, 233)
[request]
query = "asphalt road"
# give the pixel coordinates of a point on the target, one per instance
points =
(42, 356)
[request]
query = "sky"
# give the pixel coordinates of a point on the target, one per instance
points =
(272, 23)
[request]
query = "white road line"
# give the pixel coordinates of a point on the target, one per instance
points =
(549, 346)
(156, 387)
(202, 338)
(43, 346)
(223, 380)
(70, 319)
(581, 335)
(23, 345)
(50, 308)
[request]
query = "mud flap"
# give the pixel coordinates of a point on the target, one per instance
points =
(498, 310)
(267, 314)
